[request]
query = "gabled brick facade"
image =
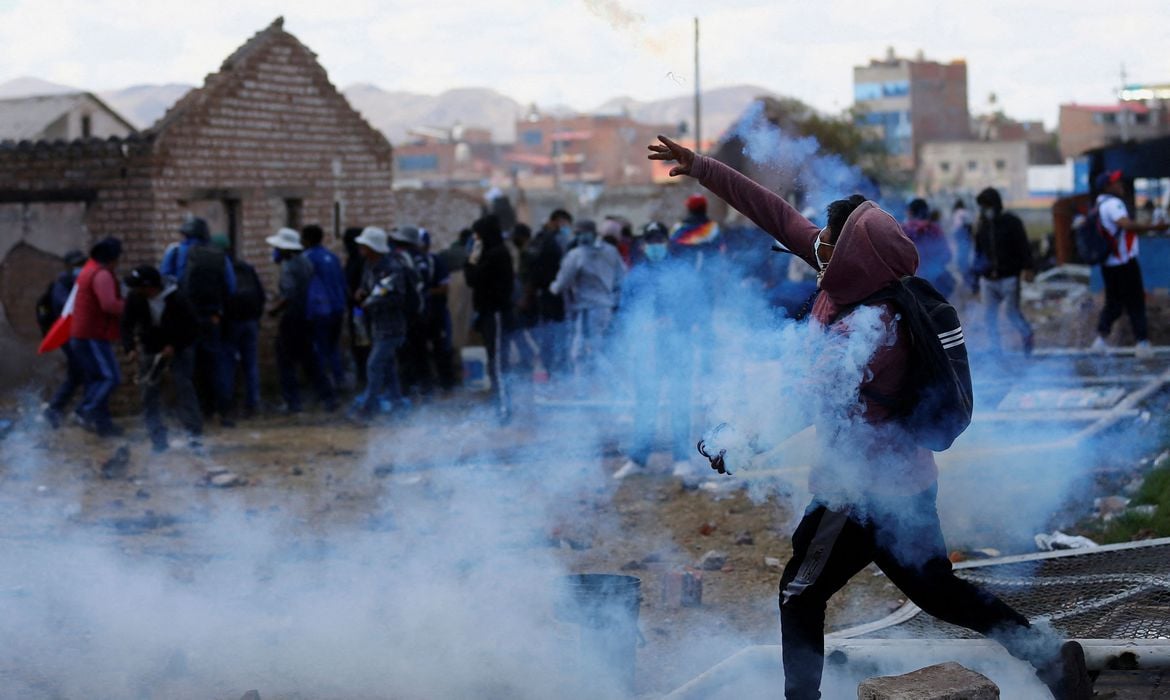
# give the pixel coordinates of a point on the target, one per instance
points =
(267, 141)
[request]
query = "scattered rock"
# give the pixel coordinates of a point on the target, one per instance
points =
(713, 560)
(652, 558)
(632, 565)
(136, 525)
(744, 538)
(224, 479)
(773, 563)
(948, 681)
(382, 470)
(297, 471)
(682, 588)
(115, 467)
(251, 695)
(1110, 506)
(708, 528)
(142, 494)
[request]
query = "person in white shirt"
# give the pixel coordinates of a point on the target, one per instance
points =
(1124, 290)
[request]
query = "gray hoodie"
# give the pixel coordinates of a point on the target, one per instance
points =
(590, 277)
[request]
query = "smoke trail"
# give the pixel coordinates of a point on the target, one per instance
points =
(628, 22)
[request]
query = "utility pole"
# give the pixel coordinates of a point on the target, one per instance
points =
(698, 95)
(1122, 112)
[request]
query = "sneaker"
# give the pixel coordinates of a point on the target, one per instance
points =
(1067, 677)
(1099, 345)
(1143, 350)
(630, 468)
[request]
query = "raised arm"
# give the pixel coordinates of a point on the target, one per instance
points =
(765, 208)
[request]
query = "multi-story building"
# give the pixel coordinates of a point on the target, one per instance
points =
(552, 151)
(1142, 112)
(457, 156)
(909, 102)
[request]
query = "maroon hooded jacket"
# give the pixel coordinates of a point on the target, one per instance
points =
(871, 253)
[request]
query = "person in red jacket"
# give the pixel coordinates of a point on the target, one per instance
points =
(97, 315)
(873, 489)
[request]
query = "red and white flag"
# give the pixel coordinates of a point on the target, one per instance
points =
(58, 335)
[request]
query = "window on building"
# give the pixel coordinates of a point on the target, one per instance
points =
(532, 137)
(86, 126)
(1141, 118)
(419, 162)
(972, 165)
(945, 166)
(231, 212)
(1000, 164)
(292, 213)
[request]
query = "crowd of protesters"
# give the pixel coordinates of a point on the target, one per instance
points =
(543, 303)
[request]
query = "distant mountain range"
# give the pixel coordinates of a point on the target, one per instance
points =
(396, 112)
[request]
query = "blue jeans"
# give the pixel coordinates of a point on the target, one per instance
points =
(214, 363)
(102, 376)
(244, 338)
(327, 345)
(674, 362)
(74, 380)
(182, 376)
(381, 373)
(294, 348)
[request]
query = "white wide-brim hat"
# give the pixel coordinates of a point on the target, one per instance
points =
(285, 239)
(373, 238)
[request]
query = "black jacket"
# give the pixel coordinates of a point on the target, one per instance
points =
(1001, 247)
(178, 326)
(491, 280)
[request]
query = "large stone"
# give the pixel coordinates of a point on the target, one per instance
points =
(948, 681)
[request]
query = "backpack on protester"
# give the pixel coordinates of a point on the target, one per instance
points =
(1094, 244)
(935, 407)
(204, 281)
(247, 304)
(414, 300)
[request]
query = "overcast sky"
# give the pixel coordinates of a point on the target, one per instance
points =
(1033, 54)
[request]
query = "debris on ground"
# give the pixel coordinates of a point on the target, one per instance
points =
(1059, 540)
(744, 537)
(773, 563)
(115, 467)
(1109, 507)
(959, 555)
(708, 528)
(682, 588)
(713, 560)
(221, 477)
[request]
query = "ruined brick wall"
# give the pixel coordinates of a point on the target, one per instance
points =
(443, 212)
(55, 197)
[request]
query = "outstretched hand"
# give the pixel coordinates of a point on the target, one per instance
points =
(670, 151)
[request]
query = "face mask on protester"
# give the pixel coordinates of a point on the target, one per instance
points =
(988, 213)
(655, 252)
(586, 238)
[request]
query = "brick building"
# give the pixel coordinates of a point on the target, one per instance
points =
(908, 102)
(582, 150)
(1141, 114)
(266, 142)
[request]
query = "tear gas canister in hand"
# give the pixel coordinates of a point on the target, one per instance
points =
(726, 448)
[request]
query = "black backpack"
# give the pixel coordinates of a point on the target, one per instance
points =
(1094, 244)
(204, 281)
(247, 304)
(936, 405)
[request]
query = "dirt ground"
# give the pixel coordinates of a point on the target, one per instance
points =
(321, 468)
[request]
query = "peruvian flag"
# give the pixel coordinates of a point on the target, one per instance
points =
(58, 335)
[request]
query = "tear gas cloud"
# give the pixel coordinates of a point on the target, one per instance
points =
(446, 588)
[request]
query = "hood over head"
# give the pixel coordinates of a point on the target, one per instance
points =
(871, 252)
